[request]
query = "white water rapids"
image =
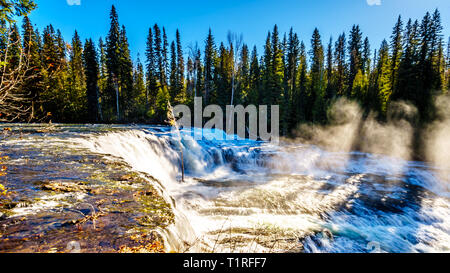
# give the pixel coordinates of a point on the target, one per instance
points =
(248, 196)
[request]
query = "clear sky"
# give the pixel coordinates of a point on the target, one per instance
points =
(252, 18)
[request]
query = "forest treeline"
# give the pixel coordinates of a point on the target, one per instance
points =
(98, 82)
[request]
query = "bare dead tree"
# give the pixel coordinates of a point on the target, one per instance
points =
(235, 42)
(194, 54)
(14, 103)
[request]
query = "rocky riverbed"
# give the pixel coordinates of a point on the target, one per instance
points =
(63, 199)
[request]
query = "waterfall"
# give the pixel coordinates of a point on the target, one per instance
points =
(248, 196)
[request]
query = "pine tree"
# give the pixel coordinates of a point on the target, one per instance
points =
(91, 69)
(355, 51)
(243, 76)
(158, 55)
(199, 72)
(127, 96)
(447, 68)
(180, 81)
(189, 78)
(330, 89)
(366, 61)
(140, 102)
(396, 49)
(437, 53)
(173, 87)
(209, 63)
(408, 74)
(152, 78)
(290, 78)
(384, 77)
(266, 72)
(33, 77)
(277, 70)
(340, 64)
(103, 77)
(368, 76)
(223, 79)
(423, 92)
(112, 94)
(317, 86)
(14, 47)
(53, 95)
(301, 97)
(361, 82)
(61, 50)
(76, 109)
(255, 79)
(165, 62)
(50, 50)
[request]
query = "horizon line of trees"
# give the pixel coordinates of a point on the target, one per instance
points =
(93, 82)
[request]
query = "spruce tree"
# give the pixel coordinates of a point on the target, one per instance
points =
(199, 72)
(158, 56)
(437, 53)
(127, 96)
(223, 79)
(396, 49)
(384, 78)
(447, 68)
(277, 70)
(14, 47)
(408, 74)
(33, 77)
(140, 102)
(301, 98)
(243, 76)
(91, 69)
(330, 89)
(340, 64)
(366, 67)
(209, 63)
(255, 79)
(152, 78)
(77, 101)
(290, 78)
(112, 94)
(180, 81)
(165, 53)
(56, 92)
(173, 87)
(317, 86)
(355, 51)
(423, 93)
(265, 94)
(103, 76)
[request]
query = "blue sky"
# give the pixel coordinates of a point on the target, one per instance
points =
(252, 18)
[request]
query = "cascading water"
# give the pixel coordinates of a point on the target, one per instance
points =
(249, 196)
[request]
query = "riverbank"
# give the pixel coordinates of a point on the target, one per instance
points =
(62, 199)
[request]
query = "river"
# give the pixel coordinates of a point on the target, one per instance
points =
(241, 195)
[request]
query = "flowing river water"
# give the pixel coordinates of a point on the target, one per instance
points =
(250, 196)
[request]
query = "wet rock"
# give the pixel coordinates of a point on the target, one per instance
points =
(126, 177)
(66, 187)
